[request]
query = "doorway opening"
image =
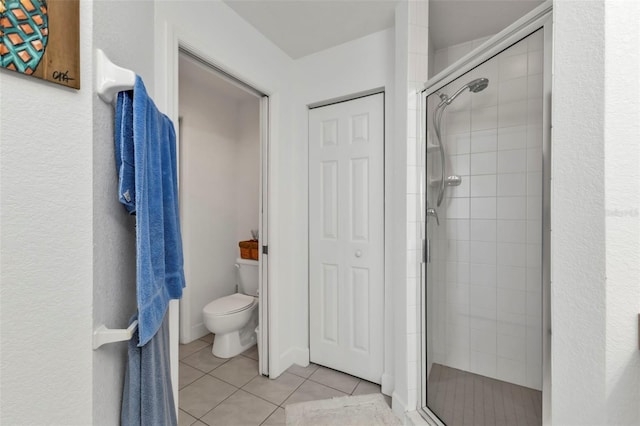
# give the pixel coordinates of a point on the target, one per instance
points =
(222, 168)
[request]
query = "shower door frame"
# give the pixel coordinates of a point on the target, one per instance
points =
(539, 18)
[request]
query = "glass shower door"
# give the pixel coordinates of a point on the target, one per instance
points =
(484, 231)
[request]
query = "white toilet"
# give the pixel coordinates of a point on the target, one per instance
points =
(234, 318)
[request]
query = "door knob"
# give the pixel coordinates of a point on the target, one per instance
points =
(358, 253)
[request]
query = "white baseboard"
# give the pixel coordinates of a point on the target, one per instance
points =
(387, 384)
(398, 405)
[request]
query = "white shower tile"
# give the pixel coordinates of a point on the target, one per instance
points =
(458, 294)
(412, 152)
(483, 297)
(412, 236)
(452, 272)
(459, 143)
(482, 274)
(482, 230)
(512, 254)
(457, 358)
(461, 190)
(483, 163)
(483, 363)
(534, 160)
(512, 301)
(510, 323)
(512, 137)
(482, 252)
(486, 98)
(535, 41)
(457, 315)
(513, 66)
(512, 347)
(534, 208)
(534, 111)
(534, 280)
(534, 136)
(535, 86)
(484, 141)
(534, 184)
(483, 186)
(534, 305)
(483, 340)
(512, 161)
(512, 277)
(458, 208)
(512, 231)
(476, 312)
(511, 370)
(459, 165)
(534, 232)
(513, 90)
(535, 62)
(483, 208)
(458, 121)
(412, 203)
(511, 184)
(512, 114)
(534, 255)
(510, 208)
(517, 49)
(484, 118)
(463, 268)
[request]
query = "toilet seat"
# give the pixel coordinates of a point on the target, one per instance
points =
(229, 304)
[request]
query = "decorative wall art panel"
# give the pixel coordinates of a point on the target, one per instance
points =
(41, 38)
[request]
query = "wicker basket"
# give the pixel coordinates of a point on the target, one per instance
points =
(249, 249)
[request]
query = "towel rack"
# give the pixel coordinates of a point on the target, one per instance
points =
(110, 78)
(103, 335)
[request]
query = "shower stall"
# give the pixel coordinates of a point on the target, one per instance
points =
(486, 267)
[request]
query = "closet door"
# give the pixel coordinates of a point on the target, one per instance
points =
(346, 236)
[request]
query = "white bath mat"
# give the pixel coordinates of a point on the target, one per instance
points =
(360, 410)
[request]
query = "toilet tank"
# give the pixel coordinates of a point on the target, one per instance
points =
(247, 276)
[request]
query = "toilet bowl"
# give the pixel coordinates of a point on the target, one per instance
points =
(234, 318)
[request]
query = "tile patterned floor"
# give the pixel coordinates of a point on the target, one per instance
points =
(215, 391)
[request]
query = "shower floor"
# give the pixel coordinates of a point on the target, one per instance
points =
(461, 398)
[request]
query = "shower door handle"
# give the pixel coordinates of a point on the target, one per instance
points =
(431, 212)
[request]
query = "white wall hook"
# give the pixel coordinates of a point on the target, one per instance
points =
(103, 335)
(110, 78)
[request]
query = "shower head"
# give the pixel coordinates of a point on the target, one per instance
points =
(478, 85)
(475, 86)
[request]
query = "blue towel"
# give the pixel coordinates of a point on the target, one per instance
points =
(146, 160)
(148, 397)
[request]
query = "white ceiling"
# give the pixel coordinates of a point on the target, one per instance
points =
(209, 81)
(303, 27)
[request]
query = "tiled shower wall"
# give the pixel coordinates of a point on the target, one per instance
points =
(486, 307)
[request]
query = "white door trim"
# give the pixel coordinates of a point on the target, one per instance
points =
(169, 41)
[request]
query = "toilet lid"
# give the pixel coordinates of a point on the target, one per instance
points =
(229, 304)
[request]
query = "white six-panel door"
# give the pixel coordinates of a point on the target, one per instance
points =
(346, 236)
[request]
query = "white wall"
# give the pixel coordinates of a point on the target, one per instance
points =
(46, 245)
(219, 141)
(595, 291)
(446, 56)
(114, 281)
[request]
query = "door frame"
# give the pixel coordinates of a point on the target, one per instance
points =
(538, 18)
(171, 41)
(386, 380)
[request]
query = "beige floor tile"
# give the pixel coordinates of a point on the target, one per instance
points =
(335, 379)
(311, 391)
(242, 409)
(187, 375)
(275, 419)
(238, 371)
(252, 352)
(199, 423)
(365, 388)
(184, 419)
(204, 360)
(208, 338)
(190, 348)
(275, 391)
(303, 371)
(203, 395)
